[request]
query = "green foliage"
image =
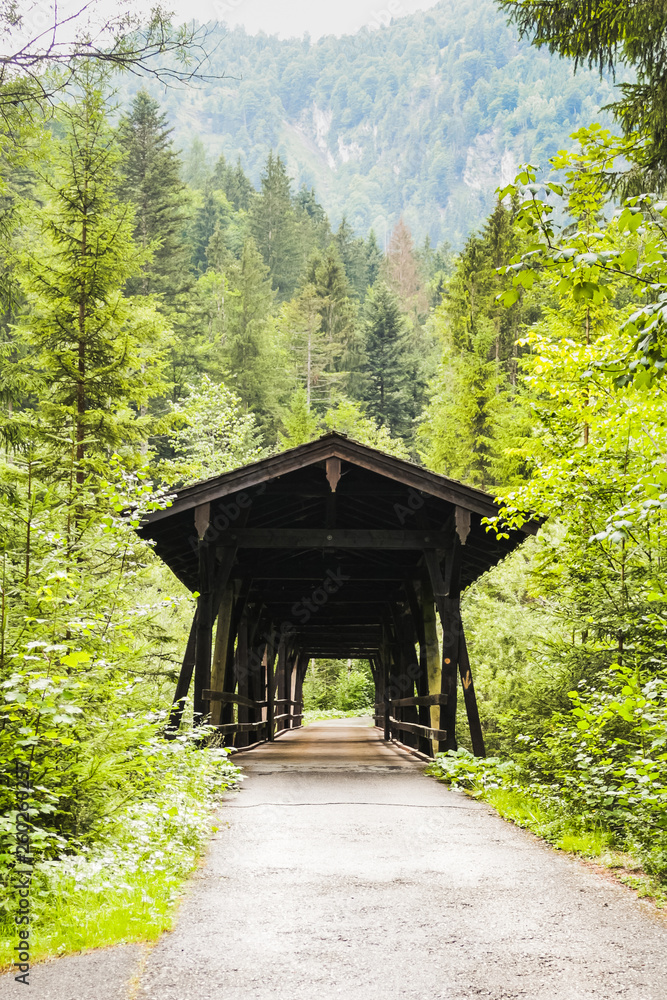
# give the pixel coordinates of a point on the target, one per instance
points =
(91, 352)
(124, 886)
(211, 434)
(150, 171)
(274, 228)
(390, 371)
(603, 762)
(470, 424)
(301, 424)
(609, 34)
(337, 685)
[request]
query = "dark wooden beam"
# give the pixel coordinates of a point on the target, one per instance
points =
(470, 700)
(333, 538)
(183, 683)
(204, 630)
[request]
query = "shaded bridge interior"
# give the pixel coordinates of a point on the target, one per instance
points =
(330, 550)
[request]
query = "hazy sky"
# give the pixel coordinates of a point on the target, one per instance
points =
(336, 17)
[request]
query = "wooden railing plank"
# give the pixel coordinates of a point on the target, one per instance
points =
(233, 699)
(412, 727)
(424, 699)
(240, 727)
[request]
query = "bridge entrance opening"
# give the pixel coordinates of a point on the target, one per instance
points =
(329, 550)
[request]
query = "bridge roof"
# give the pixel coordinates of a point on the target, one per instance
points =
(332, 509)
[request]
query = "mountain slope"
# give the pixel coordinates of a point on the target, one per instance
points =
(425, 117)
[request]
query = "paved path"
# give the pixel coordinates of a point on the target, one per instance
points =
(341, 871)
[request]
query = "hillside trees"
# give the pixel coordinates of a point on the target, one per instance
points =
(250, 351)
(466, 431)
(274, 228)
(403, 272)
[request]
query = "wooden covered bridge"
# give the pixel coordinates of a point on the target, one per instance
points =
(331, 549)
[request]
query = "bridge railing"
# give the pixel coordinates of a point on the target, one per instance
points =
(290, 718)
(388, 716)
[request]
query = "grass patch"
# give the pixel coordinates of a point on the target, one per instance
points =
(87, 919)
(320, 714)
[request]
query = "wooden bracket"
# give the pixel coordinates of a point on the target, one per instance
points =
(462, 523)
(333, 472)
(202, 519)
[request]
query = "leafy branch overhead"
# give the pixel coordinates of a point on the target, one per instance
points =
(39, 62)
(594, 259)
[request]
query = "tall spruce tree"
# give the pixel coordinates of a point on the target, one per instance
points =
(353, 255)
(274, 228)
(250, 352)
(150, 172)
(465, 427)
(374, 259)
(96, 353)
(233, 181)
(392, 385)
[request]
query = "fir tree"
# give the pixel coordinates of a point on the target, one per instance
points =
(233, 182)
(300, 422)
(392, 385)
(309, 349)
(374, 259)
(327, 276)
(403, 272)
(211, 219)
(250, 353)
(273, 225)
(95, 352)
(151, 181)
(352, 253)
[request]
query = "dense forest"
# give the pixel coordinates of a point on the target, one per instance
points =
(170, 316)
(421, 118)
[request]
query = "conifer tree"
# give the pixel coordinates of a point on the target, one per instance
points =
(300, 422)
(273, 225)
(465, 426)
(352, 253)
(374, 259)
(308, 347)
(403, 273)
(327, 275)
(250, 351)
(392, 385)
(151, 180)
(314, 224)
(95, 352)
(233, 182)
(209, 222)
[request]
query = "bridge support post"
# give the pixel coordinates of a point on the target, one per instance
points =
(242, 679)
(204, 630)
(219, 668)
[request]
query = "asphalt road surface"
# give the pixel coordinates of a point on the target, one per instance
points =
(340, 870)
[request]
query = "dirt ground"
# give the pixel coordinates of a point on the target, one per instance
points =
(340, 870)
